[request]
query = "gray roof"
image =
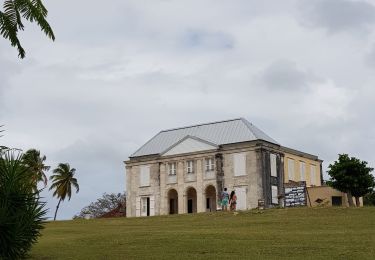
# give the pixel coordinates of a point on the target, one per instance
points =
(219, 133)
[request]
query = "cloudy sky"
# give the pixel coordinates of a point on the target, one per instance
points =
(120, 71)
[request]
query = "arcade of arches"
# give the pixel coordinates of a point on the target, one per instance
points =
(209, 200)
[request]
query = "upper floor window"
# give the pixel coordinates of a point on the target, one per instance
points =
(144, 176)
(172, 167)
(291, 169)
(210, 164)
(239, 161)
(313, 175)
(190, 166)
(273, 165)
(302, 171)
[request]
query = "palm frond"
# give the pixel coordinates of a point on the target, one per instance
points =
(34, 10)
(9, 31)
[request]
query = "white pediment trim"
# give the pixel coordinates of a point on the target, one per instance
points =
(189, 144)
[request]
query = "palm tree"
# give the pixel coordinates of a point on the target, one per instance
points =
(11, 20)
(34, 163)
(63, 179)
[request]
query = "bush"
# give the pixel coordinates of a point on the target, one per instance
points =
(21, 212)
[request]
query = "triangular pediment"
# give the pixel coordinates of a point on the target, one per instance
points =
(189, 144)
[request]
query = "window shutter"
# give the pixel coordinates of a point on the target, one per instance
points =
(152, 205)
(137, 206)
(275, 200)
(239, 161)
(312, 175)
(273, 164)
(241, 193)
(302, 171)
(144, 176)
(291, 169)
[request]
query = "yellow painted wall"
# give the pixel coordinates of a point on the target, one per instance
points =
(325, 193)
(297, 173)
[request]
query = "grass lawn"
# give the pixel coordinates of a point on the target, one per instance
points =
(299, 233)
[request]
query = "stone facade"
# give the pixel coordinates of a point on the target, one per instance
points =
(243, 167)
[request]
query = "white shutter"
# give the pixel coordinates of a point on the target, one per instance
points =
(144, 176)
(291, 169)
(241, 198)
(275, 200)
(273, 164)
(144, 206)
(152, 205)
(302, 171)
(137, 206)
(312, 175)
(239, 161)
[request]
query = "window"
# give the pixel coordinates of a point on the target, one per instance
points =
(190, 166)
(302, 170)
(210, 165)
(275, 199)
(312, 174)
(290, 169)
(144, 176)
(172, 168)
(239, 160)
(273, 164)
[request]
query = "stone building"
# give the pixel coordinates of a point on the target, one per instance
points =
(183, 170)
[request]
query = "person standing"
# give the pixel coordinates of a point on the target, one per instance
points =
(224, 200)
(233, 201)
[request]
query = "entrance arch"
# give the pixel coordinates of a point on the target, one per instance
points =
(210, 192)
(173, 201)
(191, 199)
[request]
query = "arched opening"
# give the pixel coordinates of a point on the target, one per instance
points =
(173, 201)
(191, 195)
(210, 198)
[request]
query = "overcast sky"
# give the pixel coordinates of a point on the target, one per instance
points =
(120, 71)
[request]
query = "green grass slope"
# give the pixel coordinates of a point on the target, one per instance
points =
(299, 233)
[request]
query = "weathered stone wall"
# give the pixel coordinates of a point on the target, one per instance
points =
(257, 180)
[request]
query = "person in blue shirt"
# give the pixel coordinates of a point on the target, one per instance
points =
(224, 200)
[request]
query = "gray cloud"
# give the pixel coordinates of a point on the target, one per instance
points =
(207, 40)
(370, 57)
(338, 15)
(285, 75)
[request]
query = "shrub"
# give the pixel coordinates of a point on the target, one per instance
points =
(21, 213)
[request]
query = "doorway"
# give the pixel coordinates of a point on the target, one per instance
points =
(173, 201)
(145, 201)
(210, 198)
(191, 195)
(190, 205)
(336, 201)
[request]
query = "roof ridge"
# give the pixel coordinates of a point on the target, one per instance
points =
(211, 123)
(249, 125)
(145, 144)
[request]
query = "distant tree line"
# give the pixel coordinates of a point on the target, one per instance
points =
(104, 205)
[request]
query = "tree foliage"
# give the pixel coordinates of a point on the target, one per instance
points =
(62, 182)
(369, 198)
(11, 20)
(36, 167)
(22, 214)
(103, 205)
(351, 175)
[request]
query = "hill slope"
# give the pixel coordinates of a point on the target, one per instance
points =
(325, 233)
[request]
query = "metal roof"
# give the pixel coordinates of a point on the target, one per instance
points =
(219, 133)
